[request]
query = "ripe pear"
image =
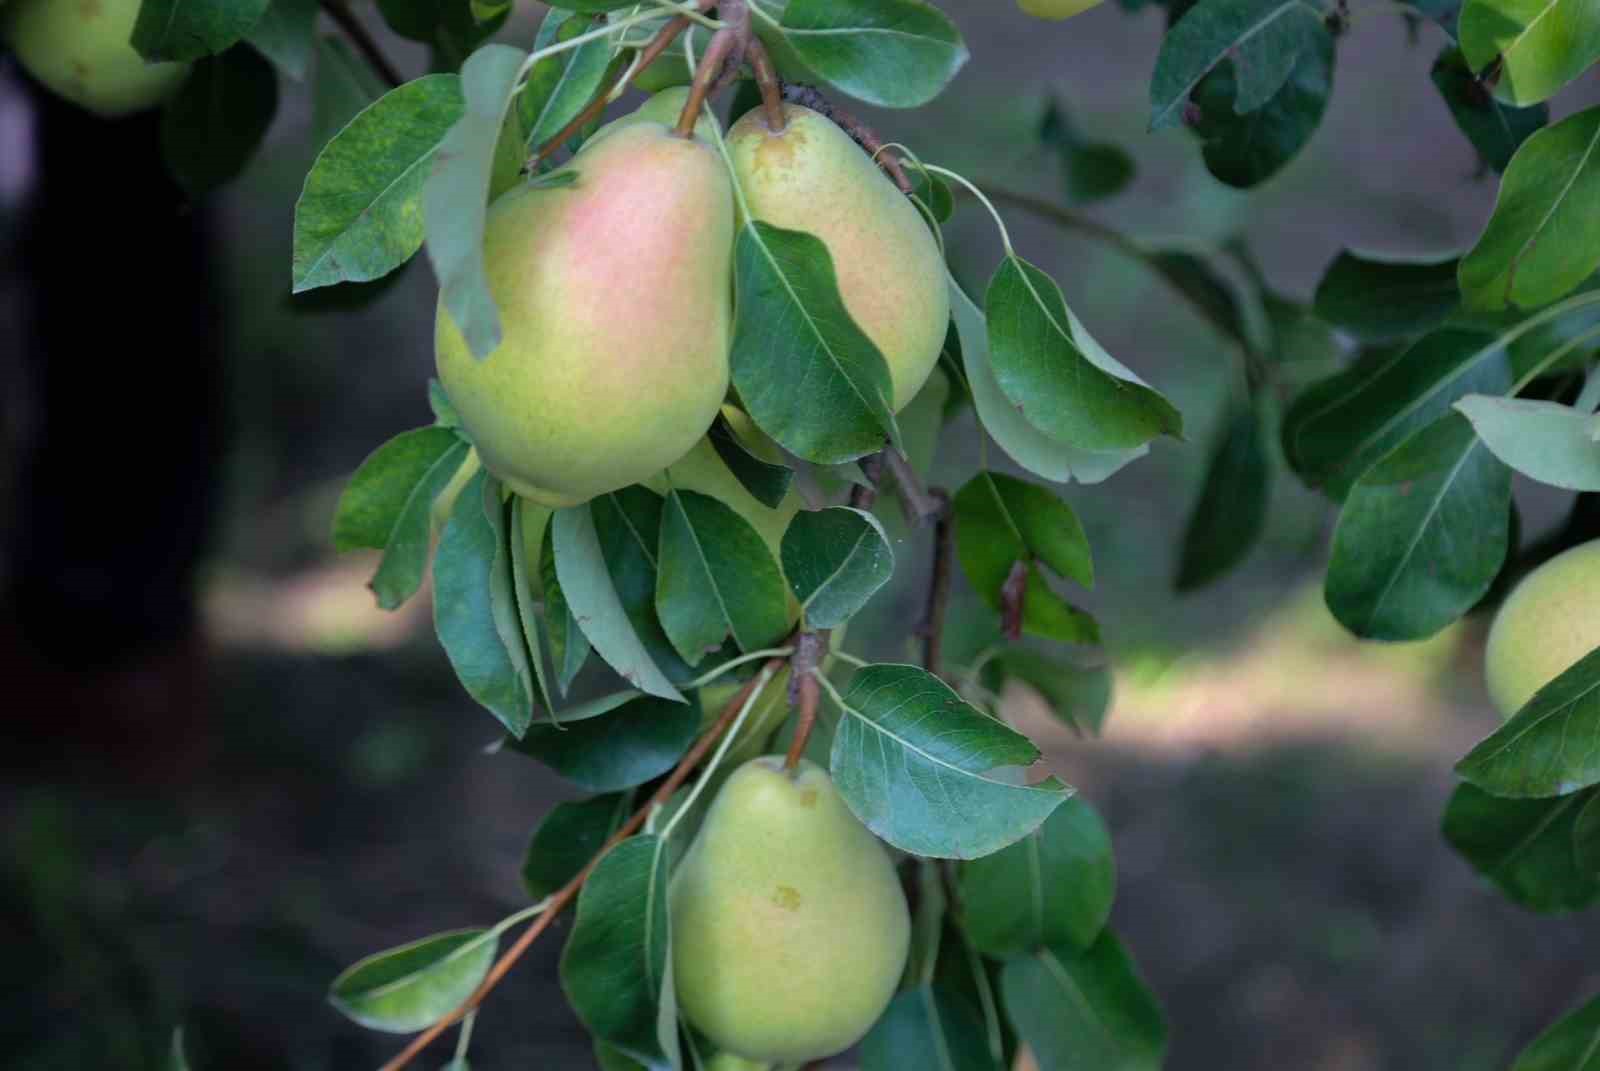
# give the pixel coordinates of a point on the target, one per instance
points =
(1550, 621)
(79, 50)
(812, 177)
(614, 299)
(789, 928)
(1056, 9)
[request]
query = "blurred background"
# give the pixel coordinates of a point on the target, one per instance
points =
(227, 775)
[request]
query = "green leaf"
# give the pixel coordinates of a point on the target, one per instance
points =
(360, 214)
(892, 53)
(1232, 510)
(716, 576)
(1085, 1011)
(523, 574)
(1244, 150)
(1378, 299)
(414, 986)
(1421, 536)
(791, 326)
(1544, 236)
(1546, 441)
(615, 967)
(1339, 428)
(1495, 129)
(925, 1027)
(455, 195)
(388, 506)
(568, 837)
(1263, 38)
(343, 86)
(452, 27)
(1530, 48)
(286, 34)
(192, 29)
(1586, 838)
(1001, 520)
(1040, 364)
(1090, 170)
(1548, 748)
(1079, 695)
(560, 86)
(768, 483)
(910, 759)
(1525, 847)
(592, 596)
(628, 523)
(212, 127)
(474, 610)
(628, 746)
(569, 647)
(1012, 432)
(1569, 1045)
(965, 975)
(835, 560)
(934, 193)
(1054, 886)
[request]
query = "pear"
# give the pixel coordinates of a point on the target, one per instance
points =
(663, 108)
(789, 928)
(812, 177)
(1056, 9)
(79, 50)
(614, 299)
(1550, 621)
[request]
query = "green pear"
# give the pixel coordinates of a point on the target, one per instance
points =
(1550, 621)
(789, 928)
(614, 299)
(812, 177)
(1056, 9)
(79, 50)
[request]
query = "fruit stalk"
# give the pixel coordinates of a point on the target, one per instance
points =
(804, 692)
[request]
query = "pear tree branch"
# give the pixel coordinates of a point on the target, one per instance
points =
(365, 43)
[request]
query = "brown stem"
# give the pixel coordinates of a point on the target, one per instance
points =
(804, 691)
(365, 43)
(918, 503)
(770, 85)
(864, 496)
(569, 892)
(813, 98)
(938, 585)
(1013, 594)
(723, 45)
(648, 55)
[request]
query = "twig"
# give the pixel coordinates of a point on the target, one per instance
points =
(365, 43)
(569, 892)
(863, 135)
(1013, 594)
(938, 585)
(804, 693)
(864, 496)
(769, 83)
(1066, 219)
(918, 502)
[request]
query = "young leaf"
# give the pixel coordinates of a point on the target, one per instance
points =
(1547, 748)
(1079, 695)
(1569, 1045)
(1548, 442)
(1377, 299)
(910, 758)
(1041, 366)
(791, 326)
(1544, 236)
(1534, 46)
(455, 195)
(1023, 443)
(1232, 510)
(1000, 521)
(212, 127)
(835, 560)
(592, 596)
(1526, 847)
(1263, 38)
(1495, 129)
(640, 740)
(1421, 536)
(615, 967)
(569, 647)
(286, 35)
(1054, 886)
(560, 86)
(192, 29)
(768, 483)
(892, 53)
(474, 609)
(1085, 1011)
(414, 986)
(388, 506)
(925, 1027)
(568, 837)
(716, 576)
(359, 216)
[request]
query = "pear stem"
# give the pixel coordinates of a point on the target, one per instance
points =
(769, 83)
(864, 496)
(938, 584)
(725, 47)
(809, 651)
(563, 897)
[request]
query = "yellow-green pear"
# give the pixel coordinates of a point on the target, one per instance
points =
(727, 1061)
(79, 50)
(789, 928)
(812, 177)
(1550, 621)
(663, 108)
(614, 299)
(1056, 9)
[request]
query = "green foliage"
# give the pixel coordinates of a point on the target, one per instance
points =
(1528, 848)
(1090, 170)
(213, 126)
(1084, 1010)
(892, 53)
(1232, 510)
(190, 29)
(1532, 755)
(408, 988)
(568, 837)
(618, 749)
(1495, 129)
(559, 86)
(1569, 1045)
(286, 35)
(1381, 300)
(835, 560)
(1551, 443)
(715, 577)
(1534, 47)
